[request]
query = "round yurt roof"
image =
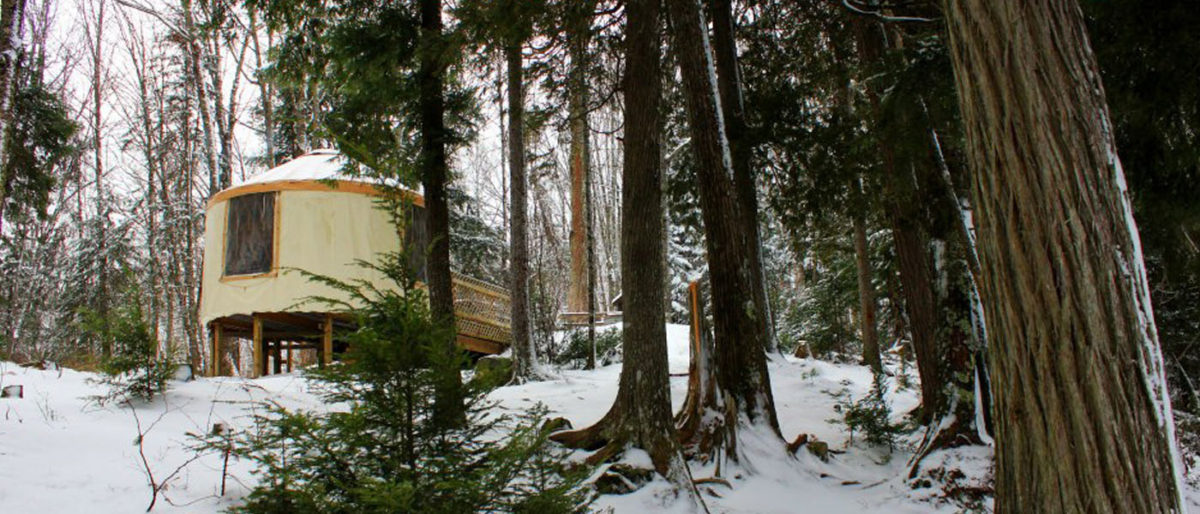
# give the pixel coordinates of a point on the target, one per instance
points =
(321, 169)
(323, 164)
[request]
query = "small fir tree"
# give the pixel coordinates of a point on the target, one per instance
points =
(387, 451)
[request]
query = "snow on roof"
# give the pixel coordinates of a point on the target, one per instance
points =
(324, 164)
(320, 164)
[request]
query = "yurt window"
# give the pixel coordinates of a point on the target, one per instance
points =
(250, 234)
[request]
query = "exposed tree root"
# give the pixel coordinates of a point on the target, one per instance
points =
(937, 437)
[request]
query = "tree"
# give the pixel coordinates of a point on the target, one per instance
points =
(434, 174)
(12, 15)
(382, 70)
(641, 414)
(1146, 64)
(866, 295)
(524, 354)
(1083, 417)
(922, 205)
(390, 450)
(582, 293)
(733, 111)
(741, 335)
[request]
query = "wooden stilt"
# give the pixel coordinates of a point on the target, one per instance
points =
(214, 368)
(277, 354)
(327, 341)
(288, 360)
(260, 361)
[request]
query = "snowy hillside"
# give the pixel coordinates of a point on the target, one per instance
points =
(61, 454)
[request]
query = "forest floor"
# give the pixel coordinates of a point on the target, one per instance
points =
(60, 453)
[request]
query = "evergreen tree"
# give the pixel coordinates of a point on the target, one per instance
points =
(1083, 417)
(391, 450)
(641, 414)
(741, 331)
(1145, 58)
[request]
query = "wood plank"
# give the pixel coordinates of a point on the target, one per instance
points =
(215, 368)
(295, 320)
(260, 363)
(327, 342)
(482, 320)
(476, 344)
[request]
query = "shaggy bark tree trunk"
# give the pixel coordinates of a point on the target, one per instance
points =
(641, 414)
(577, 42)
(581, 295)
(866, 296)
(729, 84)
(742, 378)
(433, 177)
(1083, 418)
(906, 207)
(524, 355)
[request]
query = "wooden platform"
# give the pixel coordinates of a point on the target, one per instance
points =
(482, 318)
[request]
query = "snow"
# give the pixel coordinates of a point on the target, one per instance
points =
(62, 454)
(321, 164)
(1150, 356)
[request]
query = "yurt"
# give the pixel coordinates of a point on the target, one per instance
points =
(306, 214)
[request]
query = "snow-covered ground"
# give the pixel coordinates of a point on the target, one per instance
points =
(60, 453)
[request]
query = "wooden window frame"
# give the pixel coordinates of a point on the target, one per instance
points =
(274, 270)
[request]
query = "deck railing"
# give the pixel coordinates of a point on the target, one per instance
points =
(482, 310)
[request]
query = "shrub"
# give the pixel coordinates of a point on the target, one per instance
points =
(394, 448)
(871, 415)
(575, 355)
(133, 370)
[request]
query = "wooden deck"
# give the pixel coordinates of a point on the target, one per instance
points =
(482, 318)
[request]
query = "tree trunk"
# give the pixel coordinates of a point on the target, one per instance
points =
(1083, 418)
(866, 295)
(10, 17)
(266, 94)
(742, 377)
(906, 211)
(524, 355)
(578, 32)
(641, 414)
(729, 85)
(96, 51)
(448, 401)
(195, 56)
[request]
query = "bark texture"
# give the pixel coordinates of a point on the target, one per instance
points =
(578, 31)
(739, 324)
(641, 414)
(1083, 419)
(866, 296)
(433, 177)
(523, 351)
(11, 14)
(729, 85)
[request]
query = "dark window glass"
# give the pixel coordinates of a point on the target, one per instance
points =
(250, 234)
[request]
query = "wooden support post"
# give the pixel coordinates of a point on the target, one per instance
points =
(214, 368)
(327, 341)
(277, 353)
(260, 360)
(288, 360)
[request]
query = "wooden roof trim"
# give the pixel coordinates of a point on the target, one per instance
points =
(330, 186)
